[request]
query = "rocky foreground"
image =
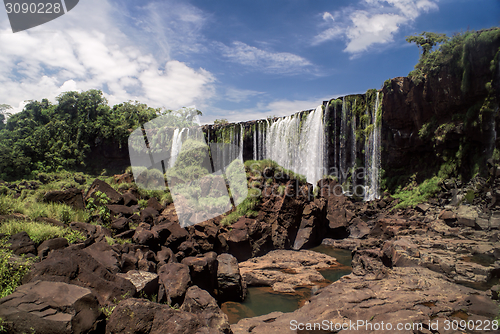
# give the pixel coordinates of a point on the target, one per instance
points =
(434, 265)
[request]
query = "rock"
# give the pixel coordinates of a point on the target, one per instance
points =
(146, 283)
(158, 319)
(123, 210)
(21, 243)
(312, 228)
(91, 231)
(238, 240)
(358, 229)
(164, 256)
(125, 235)
(423, 207)
(98, 185)
(103, 253)
(72, 197)
(347, 243)
(121, 224)
(155, 205)
(50, 307)
(177, 235)
(144, 237)
(230, 284)
(148, 215)
(129, 199)
(405, 295)
(128, 262)
(200, 303)
(203, 271)
(495, 292)
(174, 281)
(284, 270)
(466, 216)
(52, 244)
(448, 216)
(79, 268)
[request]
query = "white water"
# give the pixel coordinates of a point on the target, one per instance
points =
(300, 149)
(372, 158)
(176, 147)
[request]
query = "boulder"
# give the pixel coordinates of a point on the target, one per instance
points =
(203, 270)
(230, 284)
(121, 224)
(21, 243)
(103, 253)
(146, 283)
(148, 215)
(116, 209)
(200, 303)
(52, 244)
(358, 229)
(129, 199)
(72, 197)
(155, 205)
(75, 266)
(140, 316)
(50, 307)
(144, 237)
(238, 240)
(98, 185)
(174, 281)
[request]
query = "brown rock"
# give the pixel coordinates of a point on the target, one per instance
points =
(72, 197)
(174, 280)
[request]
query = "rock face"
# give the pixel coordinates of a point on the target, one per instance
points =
(230, 284)
(50, 307)
(174, 282)
(285, 270)
(140, 316)
(401, 297)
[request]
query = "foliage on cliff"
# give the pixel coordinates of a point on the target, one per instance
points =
(48, 137)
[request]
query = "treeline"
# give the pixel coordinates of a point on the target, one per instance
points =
(48, 137)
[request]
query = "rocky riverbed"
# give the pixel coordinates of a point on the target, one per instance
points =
(435, 264)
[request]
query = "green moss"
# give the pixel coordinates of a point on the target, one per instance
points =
(413, 195)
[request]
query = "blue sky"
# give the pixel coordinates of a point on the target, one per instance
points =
(237, 60)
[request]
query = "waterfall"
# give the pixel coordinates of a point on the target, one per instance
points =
(372, 157)
(176, 146)
(240, 154)
(343, 143)
(298, 144)
(254, 135)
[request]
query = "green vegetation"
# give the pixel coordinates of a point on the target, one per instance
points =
(12, 270)
(414, 194)
(39, 232)
(246, 208)
(221, 121)
(97, 206)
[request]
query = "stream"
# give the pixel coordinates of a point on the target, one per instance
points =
(262, 300)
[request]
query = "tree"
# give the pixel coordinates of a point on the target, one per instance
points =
(427, 40)
(3, 114)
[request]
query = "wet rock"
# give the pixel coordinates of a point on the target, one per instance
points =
(72, 197)
(50, 307)
(230, 284)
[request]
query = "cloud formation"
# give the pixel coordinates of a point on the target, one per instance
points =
(86, 49)
(262, 60)
(373, 22)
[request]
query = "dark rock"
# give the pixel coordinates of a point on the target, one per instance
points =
(50, 307)
(98, 185)
(125, 235)
(177, 235)
(129, 199)
(495, 292)
(200, 303)
(52, 244)
(203, 271)
(230, 284)
(21, 243)
(123, 210)
(91, 231)
(121, 224)
(164, 256)
(174, 281)
(358, 229)
(50, 221)
(148, 215)
(154, 204)
(72, 197)
(79, 268)
(238, 240)
(103, 253)
(144, 237)
(128, 262)
(159, 319)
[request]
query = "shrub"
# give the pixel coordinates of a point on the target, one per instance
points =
(12, 270)
(413, 195)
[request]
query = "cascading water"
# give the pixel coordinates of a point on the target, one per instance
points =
(372, 156)
(298, 145)
(176, 146)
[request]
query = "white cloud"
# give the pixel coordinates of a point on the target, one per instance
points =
(85, 49)
(373, 22)
(239, 95)
(267, 61)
